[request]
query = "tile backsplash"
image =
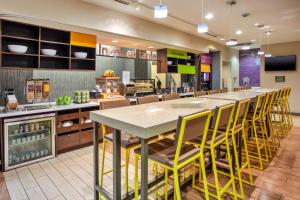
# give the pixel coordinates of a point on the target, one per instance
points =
(66, 82)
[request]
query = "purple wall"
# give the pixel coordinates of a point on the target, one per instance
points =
(249, 67)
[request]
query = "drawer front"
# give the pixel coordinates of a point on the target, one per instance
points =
(74, 127)
(67, 141)
(67, 117)
(85, 114)
(86, 137)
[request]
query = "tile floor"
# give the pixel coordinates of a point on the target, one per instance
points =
(70, 176)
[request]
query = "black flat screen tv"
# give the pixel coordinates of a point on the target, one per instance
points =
(280, 63)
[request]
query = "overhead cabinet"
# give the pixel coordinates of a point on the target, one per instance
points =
(175, 61)
(37, 39)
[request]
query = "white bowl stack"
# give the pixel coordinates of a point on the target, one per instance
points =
(80, 55)
(17, 48)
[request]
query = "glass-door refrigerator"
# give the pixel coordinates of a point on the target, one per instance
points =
(28, 139)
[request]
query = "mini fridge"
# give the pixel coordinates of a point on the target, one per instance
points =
(28, 139)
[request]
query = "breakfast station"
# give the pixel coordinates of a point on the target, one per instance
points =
(109, 99)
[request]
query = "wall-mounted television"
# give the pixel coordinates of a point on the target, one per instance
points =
(280, 63)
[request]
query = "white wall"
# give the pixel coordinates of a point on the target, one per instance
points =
(233, 70)
(235, 67)
(292, 77)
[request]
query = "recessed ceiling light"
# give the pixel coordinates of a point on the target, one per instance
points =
(138, 8)
(256, 24)
(268, 55)
(202, 28)
(238, 32)
(253, 40)
(160, 11)
(260, 52)
(231, 42)
(134, 44)
(246, 47)
(222, 39)
(267, 26)
(150, 47)
(268, 33)
(209, 16)
(115, 41)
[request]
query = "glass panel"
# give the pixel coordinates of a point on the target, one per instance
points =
(29, 140)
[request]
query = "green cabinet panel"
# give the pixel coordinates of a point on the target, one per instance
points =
(173, 53)
(186, 69)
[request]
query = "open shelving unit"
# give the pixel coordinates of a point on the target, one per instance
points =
(77, 135)
(37, 38)
(176, 61)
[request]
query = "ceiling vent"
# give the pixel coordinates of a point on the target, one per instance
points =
(211, 34)
(123, 2)
(243, 44)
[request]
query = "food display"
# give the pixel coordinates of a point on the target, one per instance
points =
(109, 73)
(144, 85)
(63, 100)
(108, 86)
(81, 96)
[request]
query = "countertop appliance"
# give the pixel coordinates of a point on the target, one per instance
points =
(11, 102)
(38, 90)
(28, 139)
(127, 89)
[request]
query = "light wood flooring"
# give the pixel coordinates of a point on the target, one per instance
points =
(70, 176)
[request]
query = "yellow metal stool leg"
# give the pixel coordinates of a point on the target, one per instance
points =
(247, 157)
(102, 162)
(257, 146)
(176, 183)
(237, 164)
(127, 156)
(136, 176)
(166, 188)
(215, 171)
(231, 171)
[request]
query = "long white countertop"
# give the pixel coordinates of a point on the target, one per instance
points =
(53, 108)
(148, 120)
(186, 94)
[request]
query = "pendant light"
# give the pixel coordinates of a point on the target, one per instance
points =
(267, 55)
(260, 52)
(231, 42)
(202, 28)
(247, 46)
(160, 11)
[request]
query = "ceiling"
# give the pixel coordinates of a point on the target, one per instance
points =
(282, 15)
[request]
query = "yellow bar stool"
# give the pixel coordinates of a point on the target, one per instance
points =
(279, 117)
(236, 131)
(257, 143)
(167, 97)
(213, 92)
(174, 155)
(275, 128)
(271, 133)
(199, 93)
(222, 120)
(289, 119)
(288, 105)
(127, 141)
(277, 125)
(288, 94)
(223, 90)
(236, 89)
